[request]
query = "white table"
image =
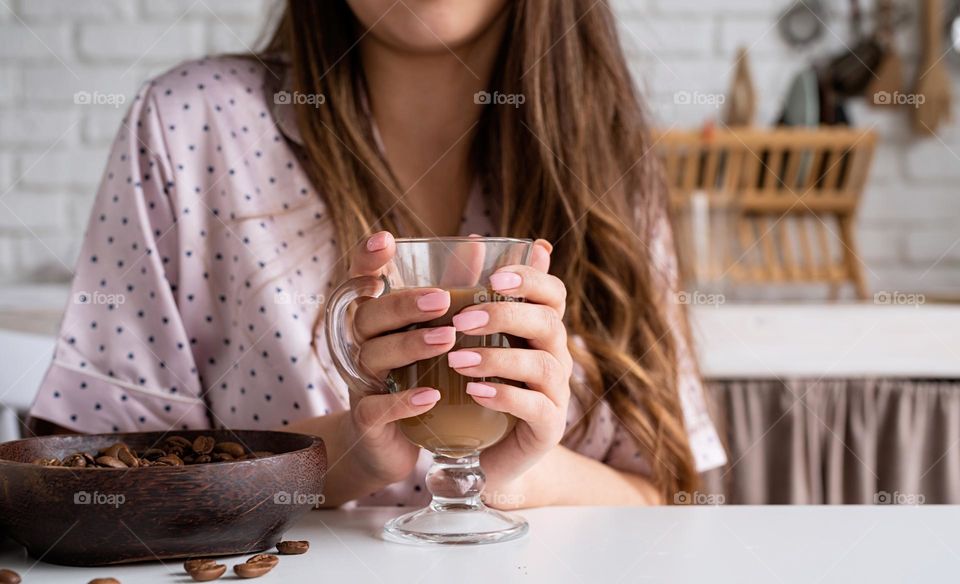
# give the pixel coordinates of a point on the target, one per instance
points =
(680, 544)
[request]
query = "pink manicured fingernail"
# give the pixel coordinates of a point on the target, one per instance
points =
(505, 280)
(440, 335)
(480, 390)
(470, 320)
(378, 241)
(433, 301)
(425, 397)
(458, 359)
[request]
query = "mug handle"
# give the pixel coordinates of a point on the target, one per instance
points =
(345, 352)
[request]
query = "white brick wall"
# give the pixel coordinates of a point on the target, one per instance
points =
(52, 151)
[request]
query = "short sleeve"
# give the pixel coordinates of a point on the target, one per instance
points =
(708, 451)
(123, 359)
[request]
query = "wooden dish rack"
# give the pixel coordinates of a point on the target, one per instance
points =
(788, 197)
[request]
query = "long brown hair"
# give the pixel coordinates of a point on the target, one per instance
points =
(571, 166)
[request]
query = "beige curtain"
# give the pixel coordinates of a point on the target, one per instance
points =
(838, 441)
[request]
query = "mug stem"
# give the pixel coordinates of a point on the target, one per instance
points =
(456, 483)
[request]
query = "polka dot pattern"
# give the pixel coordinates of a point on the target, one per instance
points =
(204, 263)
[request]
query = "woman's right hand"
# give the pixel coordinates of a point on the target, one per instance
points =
(373, 438)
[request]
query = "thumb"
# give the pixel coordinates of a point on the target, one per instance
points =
(372, 254)
(373, 411)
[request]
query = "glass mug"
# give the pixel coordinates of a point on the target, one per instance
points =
(457, 428)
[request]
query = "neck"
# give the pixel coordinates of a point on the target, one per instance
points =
(425, 112)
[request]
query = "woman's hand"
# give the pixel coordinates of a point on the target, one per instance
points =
(544, 367)
(370, 437)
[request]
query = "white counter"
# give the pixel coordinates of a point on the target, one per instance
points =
(680, 544)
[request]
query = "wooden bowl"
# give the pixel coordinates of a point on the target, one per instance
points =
(98, 516)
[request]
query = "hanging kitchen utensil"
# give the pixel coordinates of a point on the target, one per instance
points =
(742, 97)
(932, 89)
(952, 31)
(851, 71)
(882, 89)
(802, 23)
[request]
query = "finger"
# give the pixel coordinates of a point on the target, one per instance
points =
(381, 354)
(369, 258)
(529, 405)
(464, 264)
(398, 309)
(539, 370)
(532, 285)
(539, 324)
(540, 256)
(376, 410)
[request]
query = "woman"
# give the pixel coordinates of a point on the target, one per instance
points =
(240, 190)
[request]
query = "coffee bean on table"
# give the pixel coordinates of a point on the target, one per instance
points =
(256, 566)
(9, 577)
(293, 548)
(204, 570)
(173, 451)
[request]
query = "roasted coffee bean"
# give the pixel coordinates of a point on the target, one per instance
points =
(153, 453)
(170, 460)
(232, 448)
(179, 441)
(202, 459)
(104, 581)
(114, 450)
(204, 569)
(293, 548)
(75, 461)
(256, 566)
(203, 445)
(9, 577)
(48, 462)
(222, 457)
(110, 462)
(268, 558)
(128, 458)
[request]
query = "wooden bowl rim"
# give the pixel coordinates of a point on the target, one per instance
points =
(315, 442)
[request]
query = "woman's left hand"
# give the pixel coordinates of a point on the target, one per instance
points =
(544, 367)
